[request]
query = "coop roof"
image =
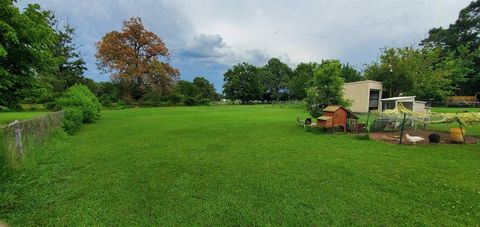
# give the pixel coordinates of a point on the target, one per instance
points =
(332, 108)
(324, 118)
(335, 108)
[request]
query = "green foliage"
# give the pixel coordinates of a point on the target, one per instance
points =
(393, 70)
(300, 80)
(198, 92)
(424, 73)
(205, 89)
(71, 65)
(73, 120)
(80, 97)
(326, 88)
(275, 76)
(242, 82)
(350, 74)
(462, 40)
(26, 50)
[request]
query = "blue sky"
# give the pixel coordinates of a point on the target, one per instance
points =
(208, 37)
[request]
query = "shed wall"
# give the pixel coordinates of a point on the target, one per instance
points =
(359, 92)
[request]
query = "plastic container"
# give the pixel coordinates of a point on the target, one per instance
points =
(456, 135)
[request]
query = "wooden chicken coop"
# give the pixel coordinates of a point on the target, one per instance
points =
(334, 116)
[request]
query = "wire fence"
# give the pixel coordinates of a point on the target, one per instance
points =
(19, 137)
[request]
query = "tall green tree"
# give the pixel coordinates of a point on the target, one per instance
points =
(424, 72)
(27, 41)
(71, 66)
(300, 80)
(392, 71)
(242, 82)
(326, 88)
(350, 74)
(275, 76)
(205, 88)
(462, 39)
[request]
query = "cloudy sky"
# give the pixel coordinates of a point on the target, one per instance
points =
(206, 37)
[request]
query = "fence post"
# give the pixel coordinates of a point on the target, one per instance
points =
(403, 126)
(367, 126)
(18, 137)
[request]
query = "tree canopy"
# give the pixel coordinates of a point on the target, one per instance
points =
(420, 72)
(26, 44)
(138, 60)
(242, 82)
(300, 80)
(326, 87)
(462, 40)
(275, 76)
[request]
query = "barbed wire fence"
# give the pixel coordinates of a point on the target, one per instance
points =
(19, 137)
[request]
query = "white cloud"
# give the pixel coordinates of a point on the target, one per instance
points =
(210, 35)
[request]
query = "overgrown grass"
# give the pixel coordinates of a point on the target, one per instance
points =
(237, 165)
(7, 117)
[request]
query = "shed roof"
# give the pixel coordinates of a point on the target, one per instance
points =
(398, 98)
(364, 82)
(324, 118)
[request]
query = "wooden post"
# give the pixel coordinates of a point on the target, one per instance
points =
(461, 130)
(367, 127)
(18, 137)
(403, 126)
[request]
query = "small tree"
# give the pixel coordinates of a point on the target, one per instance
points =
(326, 88)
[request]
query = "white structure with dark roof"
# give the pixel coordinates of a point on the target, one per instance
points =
(408, 101)
(367, 95)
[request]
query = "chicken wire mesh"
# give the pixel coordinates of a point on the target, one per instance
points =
(384, 123)
(21, 136)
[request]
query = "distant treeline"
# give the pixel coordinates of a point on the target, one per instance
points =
(39, 61)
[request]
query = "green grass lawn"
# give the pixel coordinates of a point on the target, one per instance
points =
(237, 165)
(7, 117)
(454, 110)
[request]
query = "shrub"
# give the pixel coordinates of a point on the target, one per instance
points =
(72, 121)
(80, 97)
(189, 101)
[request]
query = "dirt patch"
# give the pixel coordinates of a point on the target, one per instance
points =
(394, 137)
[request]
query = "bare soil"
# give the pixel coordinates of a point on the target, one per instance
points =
(394, 137)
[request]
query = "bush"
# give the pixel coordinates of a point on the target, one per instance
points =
(72, 121)
(80, 97)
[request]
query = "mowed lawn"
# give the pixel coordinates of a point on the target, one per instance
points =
(7, 117)
(237, 165)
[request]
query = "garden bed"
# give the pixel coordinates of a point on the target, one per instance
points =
(394, 137)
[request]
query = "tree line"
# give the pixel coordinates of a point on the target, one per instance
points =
(276, 81)
(445, 63)
(39, 61)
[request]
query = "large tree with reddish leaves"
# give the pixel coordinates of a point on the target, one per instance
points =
(137, 59)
